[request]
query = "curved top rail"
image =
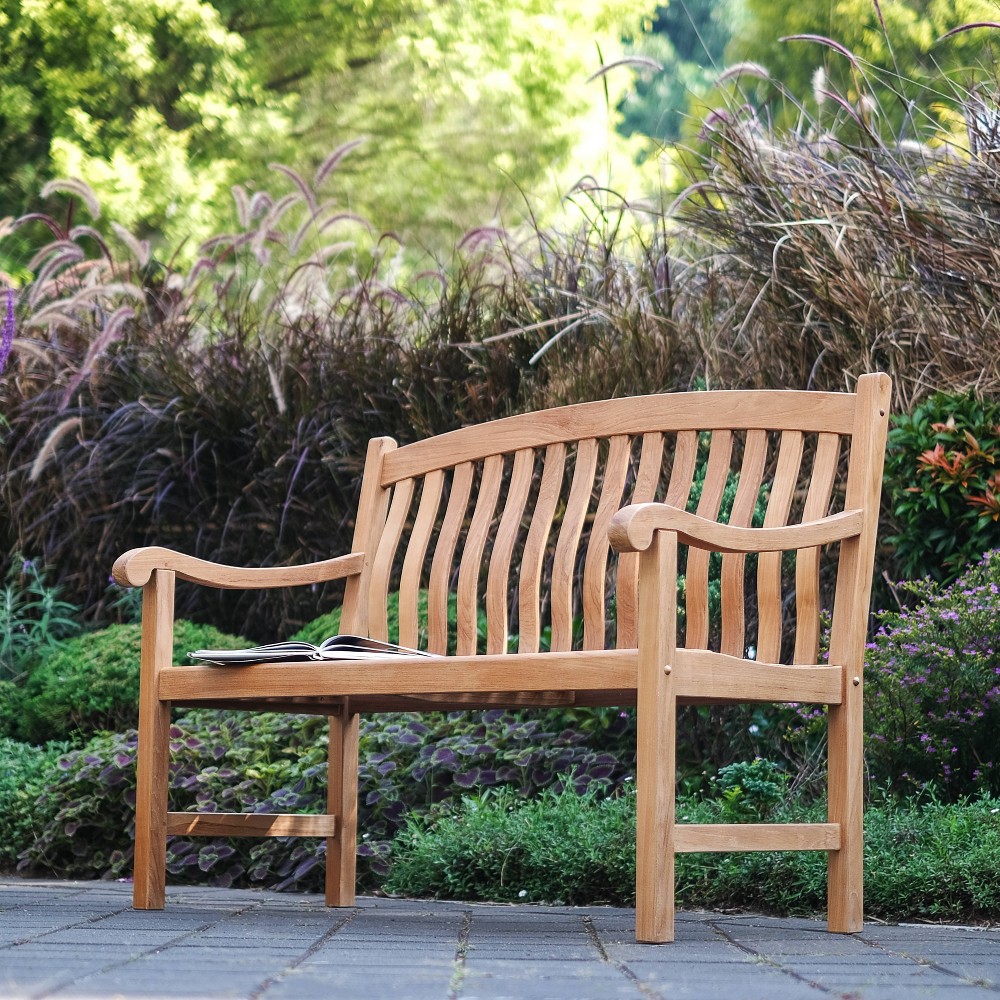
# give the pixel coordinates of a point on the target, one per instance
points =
(678, 411)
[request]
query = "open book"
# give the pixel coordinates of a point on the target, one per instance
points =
(337, 647)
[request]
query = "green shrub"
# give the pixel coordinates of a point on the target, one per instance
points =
(91, 682)
(564, 849)
(930, 860)
(932, 688)
(24, 773)
(923, 859)
(11, 708)
(942, 477)
(750, 790)
(270, 763)
(33, 618)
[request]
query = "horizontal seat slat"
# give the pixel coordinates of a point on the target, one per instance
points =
(583, 671)
(692, 837)
(250, 825)
(699, 675)
(708, 676)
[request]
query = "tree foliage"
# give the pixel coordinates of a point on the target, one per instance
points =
(687, 38)
(146, 100)
(160, 105)
(902, 59)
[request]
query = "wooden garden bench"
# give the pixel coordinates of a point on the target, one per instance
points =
(538, 520)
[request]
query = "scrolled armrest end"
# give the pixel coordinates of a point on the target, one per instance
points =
(631, 529)
(135, 567)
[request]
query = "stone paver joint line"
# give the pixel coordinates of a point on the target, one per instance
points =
(461, 954)
(299, 959)
(595, 939)
(76, 923)
(759, 956)
(984, 984)
(118, 963)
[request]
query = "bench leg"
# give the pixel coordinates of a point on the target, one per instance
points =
(153, 754)
(656, 743)
(150, 865)
(654, 848)
(342, 801)
(845, 899)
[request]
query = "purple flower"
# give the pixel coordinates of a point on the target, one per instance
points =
(7, 333)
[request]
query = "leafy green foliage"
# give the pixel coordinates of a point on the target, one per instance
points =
(25, 771)
(11, 708)
(160, 107)
(923, 859)
(145, 101)
(897, 56)
(942, 477)
(932, 860)
(750, 790)
(687, 40)
(564, 849)
(268, 763)
(33, 618)
(932, 686)
(91, 682)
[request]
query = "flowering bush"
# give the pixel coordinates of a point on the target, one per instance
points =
(942, 476)
(932, 692)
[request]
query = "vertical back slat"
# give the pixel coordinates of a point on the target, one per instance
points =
(627, 589)
(378, 590)
(682, 470)
(817, 505)
(503, 548)
(696, 578)
(779, 503)
(373, 506)
(416, 553)
(472, 555)
(444, 554)
(564, 561)
(595, 566)
(734, 563)
(529, 588)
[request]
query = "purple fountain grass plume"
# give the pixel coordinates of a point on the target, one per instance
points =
(7, 333)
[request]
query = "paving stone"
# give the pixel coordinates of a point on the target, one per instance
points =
(84, 942)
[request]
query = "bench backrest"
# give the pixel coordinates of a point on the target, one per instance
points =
(510, 518)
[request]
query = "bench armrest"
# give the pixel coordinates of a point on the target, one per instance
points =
(134, 568)
(631, 530)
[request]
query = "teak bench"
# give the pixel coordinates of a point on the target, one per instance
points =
(539, 519)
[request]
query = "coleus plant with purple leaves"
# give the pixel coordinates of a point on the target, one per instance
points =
(267, 763)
